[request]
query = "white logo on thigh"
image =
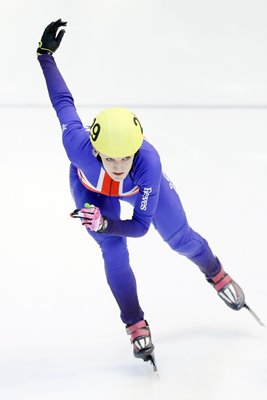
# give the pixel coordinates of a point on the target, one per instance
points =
(145, 197)
(64, 127)
(171, 185)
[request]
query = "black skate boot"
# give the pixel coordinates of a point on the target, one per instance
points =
(228, 289)
(141, 340)
(142, 344)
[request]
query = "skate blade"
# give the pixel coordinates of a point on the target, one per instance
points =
(151, 359)
(254, 315)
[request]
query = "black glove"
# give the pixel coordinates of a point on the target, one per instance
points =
(50, 40)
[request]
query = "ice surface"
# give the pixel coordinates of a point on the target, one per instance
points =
(61, 336)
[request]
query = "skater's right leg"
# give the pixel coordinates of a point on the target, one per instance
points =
(119, 274)
(120, 277)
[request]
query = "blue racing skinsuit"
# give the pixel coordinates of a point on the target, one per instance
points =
(146, 188)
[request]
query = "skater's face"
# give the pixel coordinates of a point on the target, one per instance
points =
(117, 168)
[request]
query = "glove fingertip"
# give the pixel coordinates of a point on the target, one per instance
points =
(60, 35)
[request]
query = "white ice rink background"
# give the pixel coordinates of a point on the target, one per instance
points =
(195, 74)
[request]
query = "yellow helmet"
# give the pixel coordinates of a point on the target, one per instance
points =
(116, 132)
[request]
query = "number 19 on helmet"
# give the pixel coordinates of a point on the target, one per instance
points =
(116, 132)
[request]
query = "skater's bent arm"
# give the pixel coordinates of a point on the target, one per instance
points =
(145, 205)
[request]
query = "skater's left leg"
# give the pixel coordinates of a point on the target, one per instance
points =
(171, 222)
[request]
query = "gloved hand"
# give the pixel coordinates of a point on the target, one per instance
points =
(91, 218)
(50, 40)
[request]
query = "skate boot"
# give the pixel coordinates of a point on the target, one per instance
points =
(141, 340)
(229, 291)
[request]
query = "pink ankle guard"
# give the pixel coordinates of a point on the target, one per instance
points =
(221, 279)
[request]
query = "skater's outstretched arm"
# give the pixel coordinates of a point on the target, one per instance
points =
(147, 168)
(75, 136)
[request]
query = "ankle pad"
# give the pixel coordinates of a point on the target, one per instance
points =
(220, 280)
(141, 328)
